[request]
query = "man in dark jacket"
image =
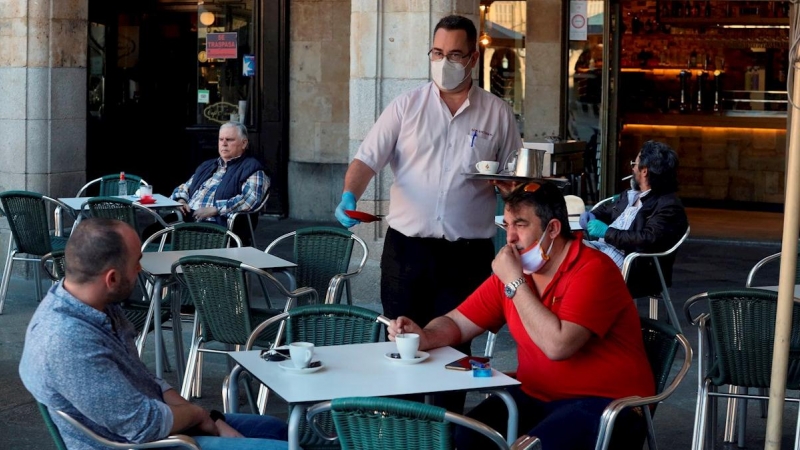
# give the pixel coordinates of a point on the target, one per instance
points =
(232, 183)
(648, 218)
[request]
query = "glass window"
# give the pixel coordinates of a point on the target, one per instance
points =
(502, 41)
(226, 61)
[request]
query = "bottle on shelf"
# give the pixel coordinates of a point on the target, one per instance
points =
(123, 185)
(707, 10)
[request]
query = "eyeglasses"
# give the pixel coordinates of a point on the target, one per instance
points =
(633, 164)
(454, 57)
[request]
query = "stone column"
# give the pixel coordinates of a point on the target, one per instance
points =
(43, 87)
(543, 69)
(389, 41)
(43, 84)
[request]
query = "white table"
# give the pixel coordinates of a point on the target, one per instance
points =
(574, 224)
(361, 370)
(159, 265)
(75, 203)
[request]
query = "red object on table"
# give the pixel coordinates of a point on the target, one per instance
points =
(147, 200)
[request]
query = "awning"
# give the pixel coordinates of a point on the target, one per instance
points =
(503, 37)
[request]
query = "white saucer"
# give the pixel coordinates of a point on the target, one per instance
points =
(289, 367)
(421, 356)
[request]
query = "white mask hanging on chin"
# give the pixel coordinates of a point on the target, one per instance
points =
(448, 75)
(533, 258)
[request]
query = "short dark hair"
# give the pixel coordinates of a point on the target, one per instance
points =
(662, 166)
(455, 22)
(547, 202)
(95, 246)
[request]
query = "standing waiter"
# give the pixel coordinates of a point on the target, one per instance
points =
(438, 248)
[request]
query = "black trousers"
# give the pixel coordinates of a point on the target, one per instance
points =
(424, 278)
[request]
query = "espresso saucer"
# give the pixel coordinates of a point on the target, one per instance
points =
(395, 358)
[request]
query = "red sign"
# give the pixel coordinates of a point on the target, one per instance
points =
(221, 46)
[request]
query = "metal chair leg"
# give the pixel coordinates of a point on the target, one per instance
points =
(7, 273)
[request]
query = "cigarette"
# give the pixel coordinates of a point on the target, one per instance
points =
(627, 178)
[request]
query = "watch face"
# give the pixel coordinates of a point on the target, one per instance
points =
(510, 291)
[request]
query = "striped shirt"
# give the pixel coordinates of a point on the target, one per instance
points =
(623, 222)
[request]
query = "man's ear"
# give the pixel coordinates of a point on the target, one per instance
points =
(111, 277)
(555, 228)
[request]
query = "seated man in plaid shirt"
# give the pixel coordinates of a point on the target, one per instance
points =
(232, 183)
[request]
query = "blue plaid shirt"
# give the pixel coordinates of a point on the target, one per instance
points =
(253, 192)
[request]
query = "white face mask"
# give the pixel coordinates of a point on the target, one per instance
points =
(448, 75)
(533, 258)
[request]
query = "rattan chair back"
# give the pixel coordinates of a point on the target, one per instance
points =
(108, 185)
(27, 218)
(333, 325)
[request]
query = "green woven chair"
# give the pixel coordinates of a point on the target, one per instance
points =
(124, 210)
(27, 215)
(661, 343)
(172, 442)
(322, 255)
(321, 325)
(735, 349)
(367, 423)
(108, 185)
(244, 223)
(224, 314)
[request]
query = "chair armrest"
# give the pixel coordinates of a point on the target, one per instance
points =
(179, 441)
(758, 266)
(626, 264)
(526, 442)
(614, 408)
(687, 308)
(311, 418)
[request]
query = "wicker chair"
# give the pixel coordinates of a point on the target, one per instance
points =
(661, 343)
(735, 348)
(172, 442)
(321, 325)
(368, 423)
(27, 214)
(223, 308)
(236, 219)
(108, 185)
(322, 255)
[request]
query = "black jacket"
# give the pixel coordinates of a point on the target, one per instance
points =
(659, 225)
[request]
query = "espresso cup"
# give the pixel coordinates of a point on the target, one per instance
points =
(301, 354)
(407, 345)
(487, 167)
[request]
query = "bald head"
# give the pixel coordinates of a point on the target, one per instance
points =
(95, 246)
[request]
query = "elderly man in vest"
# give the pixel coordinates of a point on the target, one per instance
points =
(232, 183)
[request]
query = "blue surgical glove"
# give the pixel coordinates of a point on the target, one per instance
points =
(585, 218)
(348, 203)
(596, 228)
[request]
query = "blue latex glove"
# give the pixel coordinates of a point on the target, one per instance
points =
(348, 202)
(585, 218)
(596, 228)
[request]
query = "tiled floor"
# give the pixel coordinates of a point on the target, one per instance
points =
(724, 224)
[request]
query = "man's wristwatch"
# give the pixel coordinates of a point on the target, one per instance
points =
(511, 288)
(216, 415)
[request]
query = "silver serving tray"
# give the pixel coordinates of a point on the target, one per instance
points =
(560, 182)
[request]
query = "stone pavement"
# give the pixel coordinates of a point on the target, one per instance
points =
(702, 265)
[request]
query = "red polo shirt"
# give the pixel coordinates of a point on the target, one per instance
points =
(588, 290)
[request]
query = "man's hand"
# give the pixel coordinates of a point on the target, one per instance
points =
(405, 325)
(184, 207)
(596, 228)
(208, 427)
(507, 265)
(348, 203)
(586, 217)
(206, 212)
(226, 430)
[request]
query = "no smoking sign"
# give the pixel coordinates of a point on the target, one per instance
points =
(577, 20)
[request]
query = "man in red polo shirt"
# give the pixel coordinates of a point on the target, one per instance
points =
(578, 334)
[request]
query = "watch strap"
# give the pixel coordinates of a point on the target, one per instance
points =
(216, 415)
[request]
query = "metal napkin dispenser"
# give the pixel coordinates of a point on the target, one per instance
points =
(561, 158)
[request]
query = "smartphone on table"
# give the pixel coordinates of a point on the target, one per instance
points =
(463, 363)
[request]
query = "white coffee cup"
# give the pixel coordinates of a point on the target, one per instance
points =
(145, 190)
(487, 167)
(407, 345)
(301, 353)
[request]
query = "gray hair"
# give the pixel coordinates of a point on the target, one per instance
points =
(239, 127)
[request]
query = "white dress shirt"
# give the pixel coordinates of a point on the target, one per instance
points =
(429, 150)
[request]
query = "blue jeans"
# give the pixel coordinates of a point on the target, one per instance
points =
(561, 425)
(260, 433)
